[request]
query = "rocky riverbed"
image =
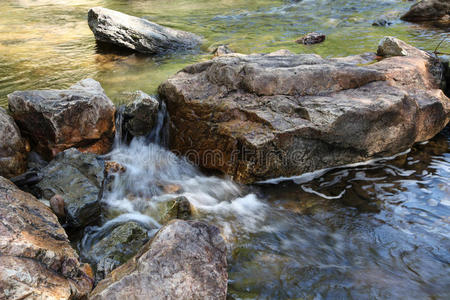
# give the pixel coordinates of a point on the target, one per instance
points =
(345, 161)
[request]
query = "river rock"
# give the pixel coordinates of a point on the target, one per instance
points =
(185, 260)
(78, 178)
(140, 114)
(261, 116)
(114, 245)
(311, 38)
(428, 10)
(36, 259)
(54, 120)
(12, 148)
(390, 46)
(137, 34)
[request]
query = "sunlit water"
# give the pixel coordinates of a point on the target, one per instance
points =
(375, 230)
(48, 44)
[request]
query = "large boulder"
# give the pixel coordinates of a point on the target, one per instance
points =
(185, 260)
(261, 116)
(36, 259)
(428, 10)
(54, 120)
(78, 178)
(137, 34)
(12, 148)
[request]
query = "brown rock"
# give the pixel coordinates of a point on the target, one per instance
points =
(54, 120)
(185, 260)
(12, 148)
(36, 259)
(256, 117)
(428, 10)
(311, 38)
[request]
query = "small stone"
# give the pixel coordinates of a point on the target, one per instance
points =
(140, 114)
(222, 50)
(390, 46)
(57, 205)
(114, 167)
(381, 23)
(311, 38)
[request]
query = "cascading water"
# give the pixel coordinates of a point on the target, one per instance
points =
(139, 193)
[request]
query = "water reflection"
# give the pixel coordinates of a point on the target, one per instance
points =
(386, 235)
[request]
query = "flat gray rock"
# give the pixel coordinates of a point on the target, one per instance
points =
(138, 34)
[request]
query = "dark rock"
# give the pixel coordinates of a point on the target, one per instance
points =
(137, 34)
(256, 117)
(185, 260)
(78, 178)
(428, 10)
(311, 38)
(54, 120)
(12, 148)
(140, 114)
(114, 245)
(36, 259)
(381, 23)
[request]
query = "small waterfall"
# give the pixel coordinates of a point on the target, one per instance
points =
(119, 137)
(142, 190)
(160, 133)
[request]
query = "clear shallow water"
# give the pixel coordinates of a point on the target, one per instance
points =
(48, 44)
(379, 230)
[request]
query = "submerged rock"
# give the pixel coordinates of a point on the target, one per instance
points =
(428, 10)
(311, 38)
(140, 115)
(185, 260)
(54, 120)
(114, 246)
(381, 22)
(12, 148)
(137, 34)
(78, 178)
(36, 259)
(258, 116)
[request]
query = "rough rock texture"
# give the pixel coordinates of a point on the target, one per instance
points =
(114, 245)
(185, 260)
(12, 148)
(78, 178)
(390, 46)
(428, 10)
(81, 116)
(311, 38)
(36, 259)
(137, 34)
(222, 50)
(257, 117)
(140, 115)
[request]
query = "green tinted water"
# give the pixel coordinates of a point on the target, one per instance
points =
(48, 44)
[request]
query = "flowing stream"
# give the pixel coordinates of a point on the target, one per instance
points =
(378, 230)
